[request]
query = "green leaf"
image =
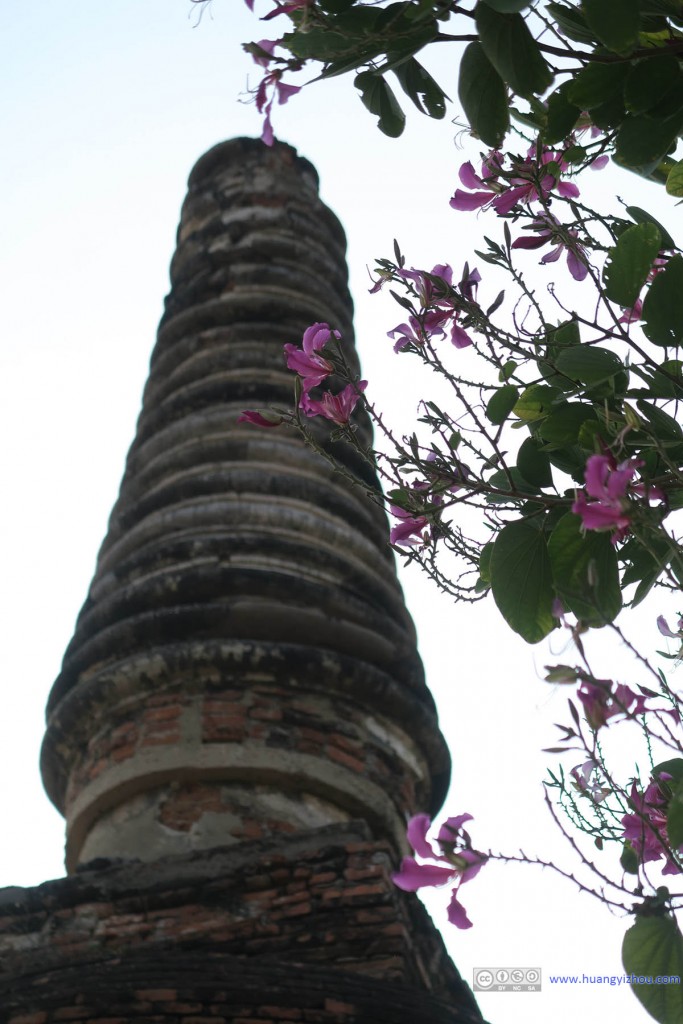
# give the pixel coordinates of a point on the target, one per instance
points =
(533, 464)
(672, 767)
(663, 307)
(521, 581)
(653, 947)
(571, 461)
(535, 402)
(585, 571)
(512, 480)
(645, 567)
(508, 6)
(563, 425)
(589, 364)
(483, 96)
(641, 216)
(674, 181)
(615, 22)
(595, 84)
(609, 114)
(380, 99)
(562, 115)
(501, 403)
(664, 426)
(650, 80)
(630, 261)
(336, 6)
(571, 23)
(426, 94)
(674, 817)
(642, 141)
(512, 50)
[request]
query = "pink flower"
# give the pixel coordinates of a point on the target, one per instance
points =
(484, 189)
(601, 702)
(646, 830)
(608, 483)
(634, 313)
(267, 45)
(528, 181)
(441, 303)
(287, 8)
(433, 287)
(663, 627)
(337, 408)
(264, 102)
(311, 367)
(457, 863)
(581, 775)
(407, 334)
(409, 531)
(546, 229)
(260, 419)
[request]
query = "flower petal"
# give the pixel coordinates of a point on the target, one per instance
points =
(414, 876)
(416, 834)
(451, 827)
(457, 914)
(469, 200)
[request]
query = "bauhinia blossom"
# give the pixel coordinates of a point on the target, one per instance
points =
(548, 229)
(282, 8)
(646, 829)
(587, 784)
(262, 418)
(528, 181)
(337, 408)
(607, 483)
(313, 369)
(410, 529)
(410, 333)
(271, 86)
(307, 361)
(457, 863)
(603, 700)
(264, 103)
(441, 303)
(665, 630)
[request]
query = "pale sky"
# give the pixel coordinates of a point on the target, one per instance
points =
(104, 110)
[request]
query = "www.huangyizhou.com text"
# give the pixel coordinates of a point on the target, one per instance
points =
(613, 979)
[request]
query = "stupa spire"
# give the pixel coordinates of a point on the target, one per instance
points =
(244, 664)
(241, 726)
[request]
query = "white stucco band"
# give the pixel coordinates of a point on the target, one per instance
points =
(337, 793)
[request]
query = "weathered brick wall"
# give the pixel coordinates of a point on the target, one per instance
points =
(318, 902)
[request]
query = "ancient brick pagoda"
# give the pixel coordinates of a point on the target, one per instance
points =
(241, 726)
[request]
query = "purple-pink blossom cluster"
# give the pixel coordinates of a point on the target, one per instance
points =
(528, 180)
(410, 530)
(547, 229)
(602, 699)
(457, 863)
(281, 8)
(608, 483)
(646, 828)
(441, 303)
(313, 368)
(271, 87)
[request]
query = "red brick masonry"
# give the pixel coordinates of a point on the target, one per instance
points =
(257, 933)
